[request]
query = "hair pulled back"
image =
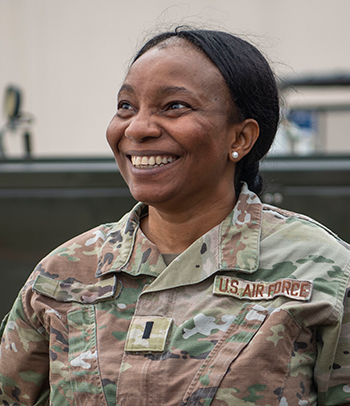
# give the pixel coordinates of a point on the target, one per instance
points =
(252, 86)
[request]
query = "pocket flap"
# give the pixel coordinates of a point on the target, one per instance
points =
(77, 292)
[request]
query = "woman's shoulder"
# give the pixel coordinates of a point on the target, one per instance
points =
(296, 246)
(299, 227)
(76, 260)
(308, 247)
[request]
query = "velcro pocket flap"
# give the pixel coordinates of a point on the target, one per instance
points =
(77, 292)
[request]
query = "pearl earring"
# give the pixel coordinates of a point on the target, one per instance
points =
(234, 154)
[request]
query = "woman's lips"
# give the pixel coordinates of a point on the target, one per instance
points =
(151, 161)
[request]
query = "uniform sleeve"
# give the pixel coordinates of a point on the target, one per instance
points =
(24, 360)
(332, 371)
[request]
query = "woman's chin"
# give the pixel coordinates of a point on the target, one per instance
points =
(147, 196)
(152, 197)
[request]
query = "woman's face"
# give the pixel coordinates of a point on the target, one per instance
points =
(171, 135)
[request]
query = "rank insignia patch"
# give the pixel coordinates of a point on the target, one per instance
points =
(148, 334)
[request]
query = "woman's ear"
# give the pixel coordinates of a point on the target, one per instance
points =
(244, 137)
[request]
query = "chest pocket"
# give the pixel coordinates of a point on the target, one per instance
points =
(206, 382)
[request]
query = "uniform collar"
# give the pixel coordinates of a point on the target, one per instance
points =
(231, 245)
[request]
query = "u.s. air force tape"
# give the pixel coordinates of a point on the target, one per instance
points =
(241, 289)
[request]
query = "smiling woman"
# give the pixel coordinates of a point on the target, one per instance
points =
(175, 108)
(178, 116)
(175, 303)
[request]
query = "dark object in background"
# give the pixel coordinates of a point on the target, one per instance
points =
(43, 203)
(17, 121)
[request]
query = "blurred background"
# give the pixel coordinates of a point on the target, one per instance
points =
(61, 65)
(69, 57)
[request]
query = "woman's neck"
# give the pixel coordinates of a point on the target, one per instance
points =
(175, 232)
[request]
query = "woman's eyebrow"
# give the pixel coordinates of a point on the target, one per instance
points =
(161, 91)
(125, 88)
(172, 89)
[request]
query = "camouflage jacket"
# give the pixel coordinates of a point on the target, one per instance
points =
(255, 312)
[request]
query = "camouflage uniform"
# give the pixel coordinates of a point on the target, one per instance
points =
(255, 312)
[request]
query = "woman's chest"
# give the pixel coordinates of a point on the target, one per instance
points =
(183, 346)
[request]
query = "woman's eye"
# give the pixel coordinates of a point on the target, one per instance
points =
(124, 106)
(177, 106)
(125, 109)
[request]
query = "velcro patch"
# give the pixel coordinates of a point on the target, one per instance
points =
(148, 333)
(241, 289)
(77, 292)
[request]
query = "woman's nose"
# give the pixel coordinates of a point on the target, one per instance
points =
(141, 127)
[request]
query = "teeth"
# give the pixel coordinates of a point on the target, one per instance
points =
(151, 161)
(137, 160)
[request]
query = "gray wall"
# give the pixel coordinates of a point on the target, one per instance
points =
(70, 56)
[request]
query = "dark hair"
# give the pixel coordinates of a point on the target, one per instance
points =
(252, 87)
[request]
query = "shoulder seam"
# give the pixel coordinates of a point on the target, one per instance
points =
(289, 214)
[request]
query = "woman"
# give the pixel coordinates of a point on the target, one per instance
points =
(200, 295)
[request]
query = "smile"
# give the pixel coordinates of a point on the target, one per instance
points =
(148, 162)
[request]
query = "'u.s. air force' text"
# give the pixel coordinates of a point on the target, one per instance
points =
(292, 288)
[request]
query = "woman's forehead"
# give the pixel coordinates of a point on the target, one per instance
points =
(178, 60)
